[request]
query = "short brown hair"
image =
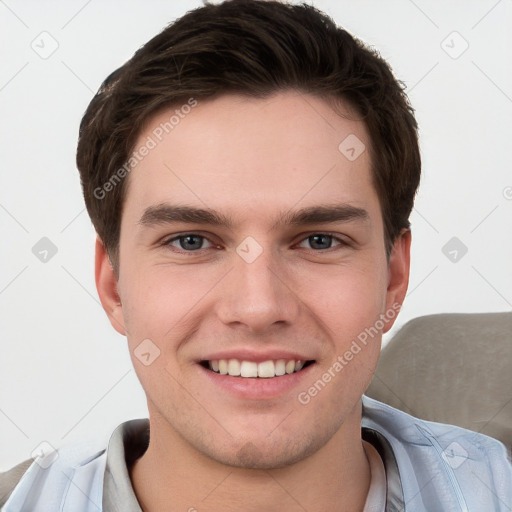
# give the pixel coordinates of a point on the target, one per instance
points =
(253, 48)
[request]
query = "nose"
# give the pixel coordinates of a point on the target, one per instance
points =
(258, 296)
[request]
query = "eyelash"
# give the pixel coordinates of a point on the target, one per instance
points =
(167, 243)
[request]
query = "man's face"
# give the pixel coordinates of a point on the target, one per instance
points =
(261, 289)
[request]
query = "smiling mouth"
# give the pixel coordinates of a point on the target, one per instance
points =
(250, 369)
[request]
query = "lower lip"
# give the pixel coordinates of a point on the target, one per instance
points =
(254, 388)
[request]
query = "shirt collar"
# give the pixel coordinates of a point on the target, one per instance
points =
(130, 440)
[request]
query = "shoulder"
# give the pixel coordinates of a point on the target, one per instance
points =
(443, 462)
(46, 479)
(9, 479)
(60, 478)
(408, 429)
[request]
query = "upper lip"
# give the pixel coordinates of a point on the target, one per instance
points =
(257, 356)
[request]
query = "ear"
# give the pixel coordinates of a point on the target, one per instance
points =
(106, 284)
(398, 274)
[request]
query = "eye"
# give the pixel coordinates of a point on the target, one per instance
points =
(322, 241)
(188, 242)
(193, 242)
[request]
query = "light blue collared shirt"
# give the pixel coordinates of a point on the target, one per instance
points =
(430, 467)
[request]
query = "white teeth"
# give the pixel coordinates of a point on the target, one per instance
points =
(280, 367)
(223, 367)
(234, 367)
(249, 369)
(265, 369)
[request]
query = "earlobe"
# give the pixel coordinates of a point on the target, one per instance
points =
(398, 273)
(106, 284)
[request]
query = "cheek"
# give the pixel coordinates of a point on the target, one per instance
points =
(158, 299)
(351, 310)
(346, 296)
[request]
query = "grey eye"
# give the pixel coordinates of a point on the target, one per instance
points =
(189, 242)
(320, 241)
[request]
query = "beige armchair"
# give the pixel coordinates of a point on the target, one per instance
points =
(451, 368)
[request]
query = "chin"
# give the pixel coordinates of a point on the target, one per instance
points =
(264, 455)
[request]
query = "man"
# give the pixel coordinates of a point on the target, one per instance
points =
(250, 173)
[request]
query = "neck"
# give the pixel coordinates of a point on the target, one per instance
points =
(173, 476)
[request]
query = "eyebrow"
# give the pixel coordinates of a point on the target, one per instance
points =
(167, 214)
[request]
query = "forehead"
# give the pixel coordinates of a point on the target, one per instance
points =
(252, 154)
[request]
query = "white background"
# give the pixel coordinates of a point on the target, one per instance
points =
(65, 373)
